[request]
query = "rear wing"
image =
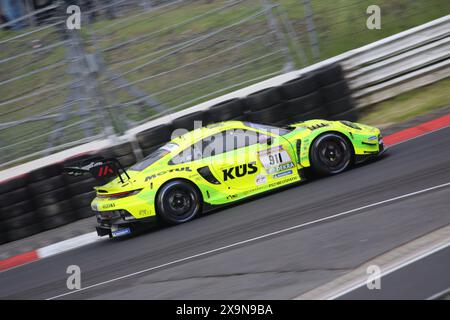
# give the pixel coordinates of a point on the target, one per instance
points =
(99, 167)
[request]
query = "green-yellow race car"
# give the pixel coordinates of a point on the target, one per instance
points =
(220, 164)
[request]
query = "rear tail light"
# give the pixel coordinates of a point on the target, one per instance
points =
(119, 194)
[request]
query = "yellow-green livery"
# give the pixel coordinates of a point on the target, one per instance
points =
(226, 162)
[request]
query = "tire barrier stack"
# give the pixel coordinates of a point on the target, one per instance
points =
(233, 109)
(17, 213)
(51, 197)
(151, 139)
(323, 93)
(335, 94)
(265, 106)
(46, 198)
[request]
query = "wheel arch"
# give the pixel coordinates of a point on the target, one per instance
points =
(179, 179)
(342, 135)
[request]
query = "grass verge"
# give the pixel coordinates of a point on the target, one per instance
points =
(408, 105)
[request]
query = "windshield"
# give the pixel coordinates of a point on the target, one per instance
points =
(265, 127)
(154, 156)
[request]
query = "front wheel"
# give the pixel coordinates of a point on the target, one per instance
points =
(177, 202)
(330, 154)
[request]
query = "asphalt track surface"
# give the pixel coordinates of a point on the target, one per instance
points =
(423, 279)
(239, 252)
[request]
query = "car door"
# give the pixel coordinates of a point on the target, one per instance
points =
(278, 160)
(234, 161)
(253, 159)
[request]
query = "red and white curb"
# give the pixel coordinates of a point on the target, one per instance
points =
(421, 129)
(49, 251)
(92, 237)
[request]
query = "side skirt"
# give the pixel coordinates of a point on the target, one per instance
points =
(208, 208)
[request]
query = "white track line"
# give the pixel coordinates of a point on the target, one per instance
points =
(254, 239)
(439, 294)
(390, 270)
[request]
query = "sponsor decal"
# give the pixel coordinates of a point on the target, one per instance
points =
(239, 171)
(104, 171)
(232, 196)
(260, 179)
(121, 232)
(148, 178)
(282, 174)
(108, 205)
(271, 185)
(92, 165)
(275, 159)
(281, 167)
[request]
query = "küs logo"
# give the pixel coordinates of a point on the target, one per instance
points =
(239, 171)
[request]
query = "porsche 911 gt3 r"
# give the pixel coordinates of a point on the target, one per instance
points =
(220, 164)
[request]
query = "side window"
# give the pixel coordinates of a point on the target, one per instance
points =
(216, 144)
(213, 145)
(192, 153)
(239, 138)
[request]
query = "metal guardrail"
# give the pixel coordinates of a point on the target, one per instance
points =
(376, 72)
(400, 63)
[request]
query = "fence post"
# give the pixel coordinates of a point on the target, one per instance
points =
(273, 24)
(281, 12)
(311, 29)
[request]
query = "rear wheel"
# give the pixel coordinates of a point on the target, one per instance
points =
(330, 154)
(177, 202)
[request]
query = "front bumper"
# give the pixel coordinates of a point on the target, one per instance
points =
(372, 155)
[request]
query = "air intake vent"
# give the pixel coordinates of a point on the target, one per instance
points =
(317, 126)
(298, 147)
(207, 175)
(351, 125)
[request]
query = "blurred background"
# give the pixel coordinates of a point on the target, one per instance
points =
(135, 60)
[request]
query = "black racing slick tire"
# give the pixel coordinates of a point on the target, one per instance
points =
(178, 201)
(330, 154)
